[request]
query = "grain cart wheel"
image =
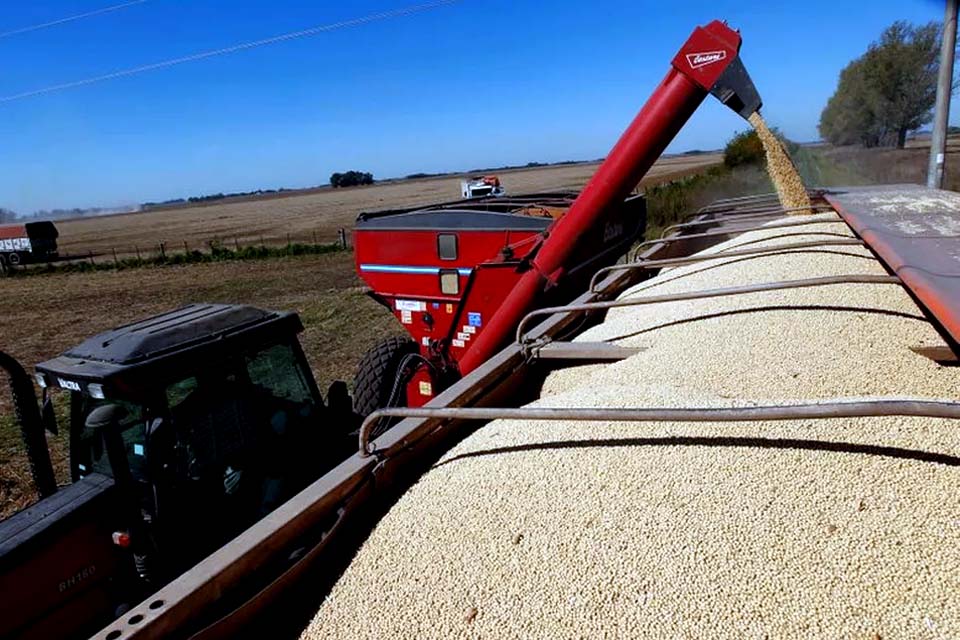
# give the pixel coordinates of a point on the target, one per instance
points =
(377, 373)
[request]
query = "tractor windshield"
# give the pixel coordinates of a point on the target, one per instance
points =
(93, 456)
(244, 432)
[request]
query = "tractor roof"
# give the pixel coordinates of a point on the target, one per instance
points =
(191, 332)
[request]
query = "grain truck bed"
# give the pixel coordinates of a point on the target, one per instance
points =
(825, 528)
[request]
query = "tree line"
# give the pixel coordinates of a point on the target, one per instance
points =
(887, 92)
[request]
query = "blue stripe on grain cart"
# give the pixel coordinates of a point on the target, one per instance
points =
(392, 268)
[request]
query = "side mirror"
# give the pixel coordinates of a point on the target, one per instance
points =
(105, 416)
(47, 414)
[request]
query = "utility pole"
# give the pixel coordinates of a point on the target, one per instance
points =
(938, 143)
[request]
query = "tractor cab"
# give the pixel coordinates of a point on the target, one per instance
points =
(206, 417)
(185, 429)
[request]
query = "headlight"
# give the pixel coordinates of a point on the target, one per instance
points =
(96, 391)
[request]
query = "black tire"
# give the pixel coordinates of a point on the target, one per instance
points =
(377, 373)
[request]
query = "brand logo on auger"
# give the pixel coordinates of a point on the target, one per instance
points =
(697, 60)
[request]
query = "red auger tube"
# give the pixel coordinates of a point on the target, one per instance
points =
(696, 70)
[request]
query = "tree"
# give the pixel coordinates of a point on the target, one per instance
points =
(888, 91)
(350, 179)
(744, 148)
(6, 215)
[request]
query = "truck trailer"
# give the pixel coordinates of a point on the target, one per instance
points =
(27, 243)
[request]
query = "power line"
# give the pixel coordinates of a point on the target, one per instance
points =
(79, 16)
(374, 17)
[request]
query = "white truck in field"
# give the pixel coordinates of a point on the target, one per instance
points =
(481, 186)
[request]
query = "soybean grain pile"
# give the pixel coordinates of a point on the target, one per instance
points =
(786, 180)
(834, 528)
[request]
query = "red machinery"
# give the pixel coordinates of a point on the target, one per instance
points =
(459, 277)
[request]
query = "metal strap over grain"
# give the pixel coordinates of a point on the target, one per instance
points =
(750, 215)
(732, 231)
(676, 262)
(724, 204)
(835, 408)
(758, 208)
(708, 293)
(731, 203)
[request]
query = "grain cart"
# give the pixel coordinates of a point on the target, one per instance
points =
(459, 276)
(184, 429)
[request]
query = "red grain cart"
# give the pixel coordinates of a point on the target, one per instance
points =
(444, 270)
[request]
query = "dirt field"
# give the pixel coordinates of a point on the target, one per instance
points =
(322, 212)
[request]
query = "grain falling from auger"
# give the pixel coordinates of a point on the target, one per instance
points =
(783, 174)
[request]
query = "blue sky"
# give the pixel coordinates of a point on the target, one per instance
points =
(479, 83)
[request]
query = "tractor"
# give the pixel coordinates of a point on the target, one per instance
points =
(184, 429)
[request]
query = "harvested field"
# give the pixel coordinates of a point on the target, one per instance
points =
(830, 528)
(321, 212)
(852, 165)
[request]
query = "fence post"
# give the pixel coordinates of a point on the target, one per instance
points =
(342, 235)
(262, 245)
(314, 236)
(186, 248)
(116, 263)
(137, 249)
(288, 241)
(90, 256)
(236, 243)
(163, 252)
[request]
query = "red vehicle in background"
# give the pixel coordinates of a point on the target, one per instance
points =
(26, 243)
